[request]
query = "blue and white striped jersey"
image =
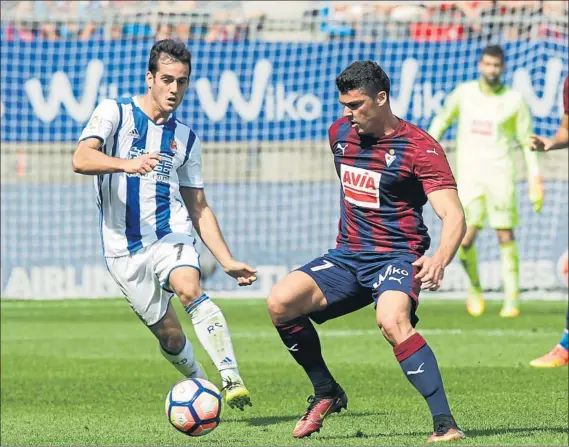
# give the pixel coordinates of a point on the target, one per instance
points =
(137, 210)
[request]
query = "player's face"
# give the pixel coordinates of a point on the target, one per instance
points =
(362, 110)
(169, 85)
(491, 68)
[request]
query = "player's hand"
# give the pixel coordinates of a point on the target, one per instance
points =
(243, 273)
(540, 144)
(142, 165)
(536, 193)
(431, 272)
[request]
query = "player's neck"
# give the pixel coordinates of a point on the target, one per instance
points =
(490, 89)
(154, 113)
(386, 126)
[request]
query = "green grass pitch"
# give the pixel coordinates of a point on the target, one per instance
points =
(86, 372)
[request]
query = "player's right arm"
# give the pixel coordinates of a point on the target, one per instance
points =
(90, 157)
(446, 116)
(89, 160)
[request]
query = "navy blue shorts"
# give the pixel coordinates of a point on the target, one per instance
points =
(352, 280)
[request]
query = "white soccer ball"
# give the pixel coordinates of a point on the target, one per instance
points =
(193, 407)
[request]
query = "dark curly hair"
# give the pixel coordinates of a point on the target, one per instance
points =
(494, 51)
(175, 49)
(367, 76)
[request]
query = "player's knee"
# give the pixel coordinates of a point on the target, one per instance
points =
(505, 236)
(395, 328)
(188, 292)
(467, 241)
(281, 305)
(173, 341)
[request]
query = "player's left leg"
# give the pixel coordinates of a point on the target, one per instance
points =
(177, 266)
(503, 217)
(510, 262)
(396, 293)
(475, 212)
(559, 355)
(417, 360)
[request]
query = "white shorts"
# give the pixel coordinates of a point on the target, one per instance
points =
(144, 276)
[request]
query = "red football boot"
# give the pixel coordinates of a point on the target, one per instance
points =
(318, 410)
(445, 430)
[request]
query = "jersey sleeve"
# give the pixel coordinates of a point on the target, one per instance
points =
(447, 115)
(190, 172)
(103, 122)
(431, 167)
(333, 133)
(524, 128)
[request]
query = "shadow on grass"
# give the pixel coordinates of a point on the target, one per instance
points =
(475, 433)
(270, 420)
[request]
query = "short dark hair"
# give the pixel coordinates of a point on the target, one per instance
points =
(367, 76)
(175, 49)
(494, 51)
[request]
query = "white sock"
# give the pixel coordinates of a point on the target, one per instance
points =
(213, 333)
(185, 361)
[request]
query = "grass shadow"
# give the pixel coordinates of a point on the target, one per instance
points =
(475, 433)
(271, 420)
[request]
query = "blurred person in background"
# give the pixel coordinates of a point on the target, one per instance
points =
(491, 118)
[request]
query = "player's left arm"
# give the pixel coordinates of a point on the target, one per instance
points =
(433, 171)
(207, 227)
(203, 217)
(447, 206)
(524, 130)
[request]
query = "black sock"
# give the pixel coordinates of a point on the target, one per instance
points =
(302, 341)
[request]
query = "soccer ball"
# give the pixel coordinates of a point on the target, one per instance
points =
(193, 406)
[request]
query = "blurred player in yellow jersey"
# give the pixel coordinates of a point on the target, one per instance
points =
(559, 355)
(491, 116)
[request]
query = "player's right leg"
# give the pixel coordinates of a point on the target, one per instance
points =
(175, 347)
(309, 291)
(475, 214)
(135, 276)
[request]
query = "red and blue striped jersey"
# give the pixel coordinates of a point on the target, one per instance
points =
(566, 96)
(384, 186)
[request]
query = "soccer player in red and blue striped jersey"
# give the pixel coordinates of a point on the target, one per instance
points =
(388, 170)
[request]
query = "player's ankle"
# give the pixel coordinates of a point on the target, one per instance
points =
(230, 374)
(326, 389)
(476, 290)
(445, 420)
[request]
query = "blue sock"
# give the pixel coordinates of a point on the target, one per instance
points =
(420, 367)
(194, 304)
(565, 339)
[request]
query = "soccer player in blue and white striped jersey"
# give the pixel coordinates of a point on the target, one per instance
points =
(150, 192)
